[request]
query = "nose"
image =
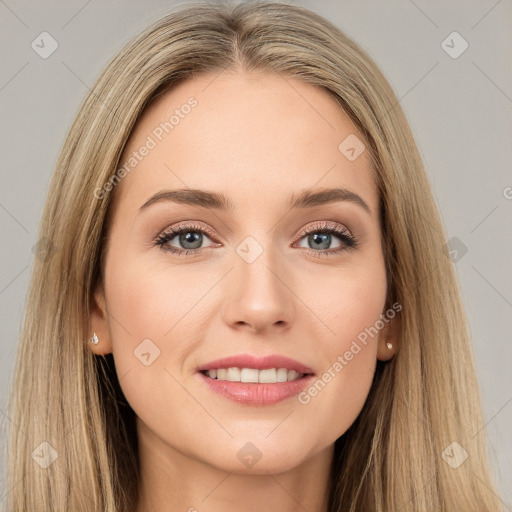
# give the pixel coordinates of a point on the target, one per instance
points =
(258, 294)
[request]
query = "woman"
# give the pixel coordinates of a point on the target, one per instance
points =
(246, 302)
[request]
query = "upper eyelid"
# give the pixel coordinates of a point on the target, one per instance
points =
(325, 225)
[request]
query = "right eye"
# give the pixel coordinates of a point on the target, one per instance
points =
(189, 236)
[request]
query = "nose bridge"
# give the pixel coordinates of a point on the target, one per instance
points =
(257, 292)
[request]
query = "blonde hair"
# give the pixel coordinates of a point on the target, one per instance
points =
(420, 402)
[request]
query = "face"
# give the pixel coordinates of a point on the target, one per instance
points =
(188, 282)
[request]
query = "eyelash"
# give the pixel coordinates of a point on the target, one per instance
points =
(326, 228)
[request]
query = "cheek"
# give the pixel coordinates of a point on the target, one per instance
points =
(143, 306)
(148, 299)
(352, 303)
(148, 312)
(348, 299)
(142, 303)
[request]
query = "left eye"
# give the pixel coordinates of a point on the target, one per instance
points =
(191, 238)
(320, 239)
(321, 235)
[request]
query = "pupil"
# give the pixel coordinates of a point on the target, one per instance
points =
(191, 237)
(319, 239)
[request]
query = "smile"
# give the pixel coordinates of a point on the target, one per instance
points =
(267, 376)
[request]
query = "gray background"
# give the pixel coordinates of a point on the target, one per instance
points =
(460, 110)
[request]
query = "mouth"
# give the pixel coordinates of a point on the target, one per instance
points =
(254, 375)
(255, 379)
(253, 387)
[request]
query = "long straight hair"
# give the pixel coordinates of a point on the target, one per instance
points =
(393, 456)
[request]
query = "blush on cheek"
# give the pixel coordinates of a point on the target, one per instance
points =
(352, 310)
(141, 302)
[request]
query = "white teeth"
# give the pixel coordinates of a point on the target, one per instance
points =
(248, 375)
(292, 374)
(267, 376)
(282, 375)
(233, 374)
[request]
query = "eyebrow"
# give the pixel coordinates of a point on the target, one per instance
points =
(206, 199)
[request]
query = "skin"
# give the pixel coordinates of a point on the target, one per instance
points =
(257, 138)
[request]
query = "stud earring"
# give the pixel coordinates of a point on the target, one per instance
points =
(389, 345)
(94, 340)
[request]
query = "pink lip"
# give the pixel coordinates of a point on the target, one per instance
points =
(251, 393)
(257, 362)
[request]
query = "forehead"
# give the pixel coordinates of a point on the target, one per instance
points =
(258, 136)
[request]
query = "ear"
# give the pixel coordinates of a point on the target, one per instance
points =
(387, 345)
(99, 322)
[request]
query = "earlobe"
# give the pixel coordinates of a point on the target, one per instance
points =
(388, 340)
(99, 336)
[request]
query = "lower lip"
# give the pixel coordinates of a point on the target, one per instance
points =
(252, 393)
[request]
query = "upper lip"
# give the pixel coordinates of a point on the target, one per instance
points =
(257, 362)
